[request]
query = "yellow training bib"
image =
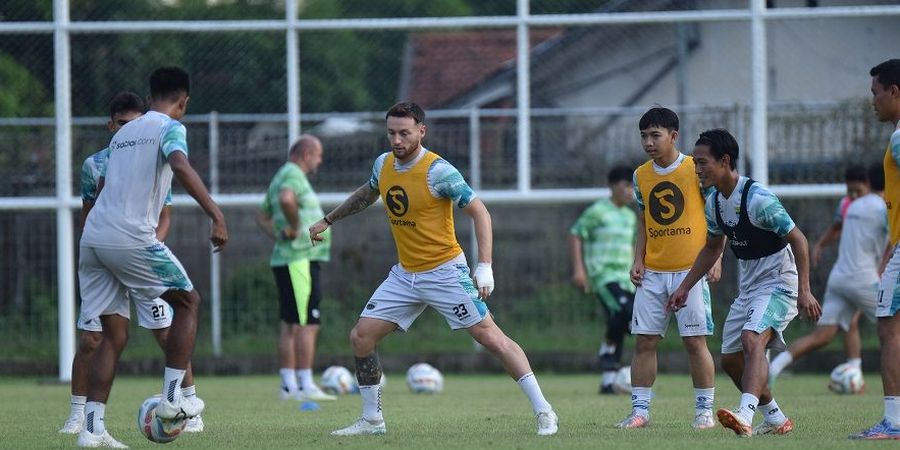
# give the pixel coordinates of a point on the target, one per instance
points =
(674, 217)
(422, 225)
(892, 195)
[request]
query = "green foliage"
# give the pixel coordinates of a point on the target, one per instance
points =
(22, 95)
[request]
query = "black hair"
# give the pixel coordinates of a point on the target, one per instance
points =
(720, 143)
(856, 172)
(407, 109)
(876, 176)
(126, 101)
(659, 117)
(167, 83)
(619, 173)
(888, 73)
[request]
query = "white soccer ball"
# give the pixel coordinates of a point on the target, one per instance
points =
(155, 429)
(846, 379)
(622, 382)
(423, 378)
(338, 380)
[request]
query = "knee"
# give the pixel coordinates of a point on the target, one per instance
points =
(361, 341)
(645, 343)
(189, 300)
(118, 340)
(493, 340)
(89, 342)
(696, 345)
(753, 346)
(886, 330)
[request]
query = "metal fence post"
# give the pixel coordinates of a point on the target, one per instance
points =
(523, 97)
(474, 167)
(65, 241)
(759, 68)
(215, 264)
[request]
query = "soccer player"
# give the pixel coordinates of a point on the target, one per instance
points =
(120, 251)
(853, 281)
(605, 231)
(154, 315)
(886, 100)
(285, 215)
(670, 234)
(771, 287)
(419, 189)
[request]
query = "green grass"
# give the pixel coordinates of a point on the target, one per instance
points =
(473, 412)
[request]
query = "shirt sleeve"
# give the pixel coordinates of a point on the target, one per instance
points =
(88, 182)
(637, 192)
(169, 198)
(839, 211)
(376, 171)
(589, 219)
(895, 146)
(712, 225)
(446, 182)
(174, 139)
(767, 212)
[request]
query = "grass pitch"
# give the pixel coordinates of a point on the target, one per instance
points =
(473, 412)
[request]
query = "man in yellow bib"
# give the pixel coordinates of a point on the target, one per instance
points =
(671, 232)
(419, 189)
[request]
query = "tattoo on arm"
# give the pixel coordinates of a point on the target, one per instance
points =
(368, 370)
(359, 200)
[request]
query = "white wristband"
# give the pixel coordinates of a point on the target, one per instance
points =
(484, 277)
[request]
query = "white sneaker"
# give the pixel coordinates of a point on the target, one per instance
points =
(704, 421)
(361, 427)
(74, 424)
(91, 440)
(185, 408)
(285, 394)
(194, 425)
(314, 394)
(547, 423)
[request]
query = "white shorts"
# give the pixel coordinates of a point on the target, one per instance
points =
(447, 288)
(153, 314)
(650, 315)
(108, 277)
(844, 296)
(889, 292)
(768, 307)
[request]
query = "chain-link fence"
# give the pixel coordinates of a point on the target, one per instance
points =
(593, 68)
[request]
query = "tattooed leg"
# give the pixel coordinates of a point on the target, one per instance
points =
(368, 369)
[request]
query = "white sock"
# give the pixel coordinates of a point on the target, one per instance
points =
(371, 396)
(93, 422)
(748, 407)
(190, 391)
(772, 413)
(640, 401)
(609, 377)
(171, 389)
(305, 379)
(606, 349)
(703, 399)
(78, 402)
(856, 363)
(892, 409)
(780, 362)
(288, 380)
(532, 390)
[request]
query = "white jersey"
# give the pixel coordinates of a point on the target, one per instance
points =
(137, 180)
(766, 212)
(864, 235)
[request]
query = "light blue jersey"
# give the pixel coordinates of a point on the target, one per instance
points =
(765, 212)
(444, 180)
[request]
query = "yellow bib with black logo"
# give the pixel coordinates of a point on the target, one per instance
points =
(674, 217)
(422, 225)
(892, 195)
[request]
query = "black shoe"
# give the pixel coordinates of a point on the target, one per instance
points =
(608, 389)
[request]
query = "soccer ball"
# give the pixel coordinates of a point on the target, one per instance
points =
(846, 379)
(338, 380)
(158, 430)
(622, 383)
(423, 378)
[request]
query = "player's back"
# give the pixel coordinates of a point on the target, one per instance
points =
(136, 181)
(863, 236)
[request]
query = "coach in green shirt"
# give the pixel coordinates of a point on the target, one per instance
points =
(288, 210)
(602, 243)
